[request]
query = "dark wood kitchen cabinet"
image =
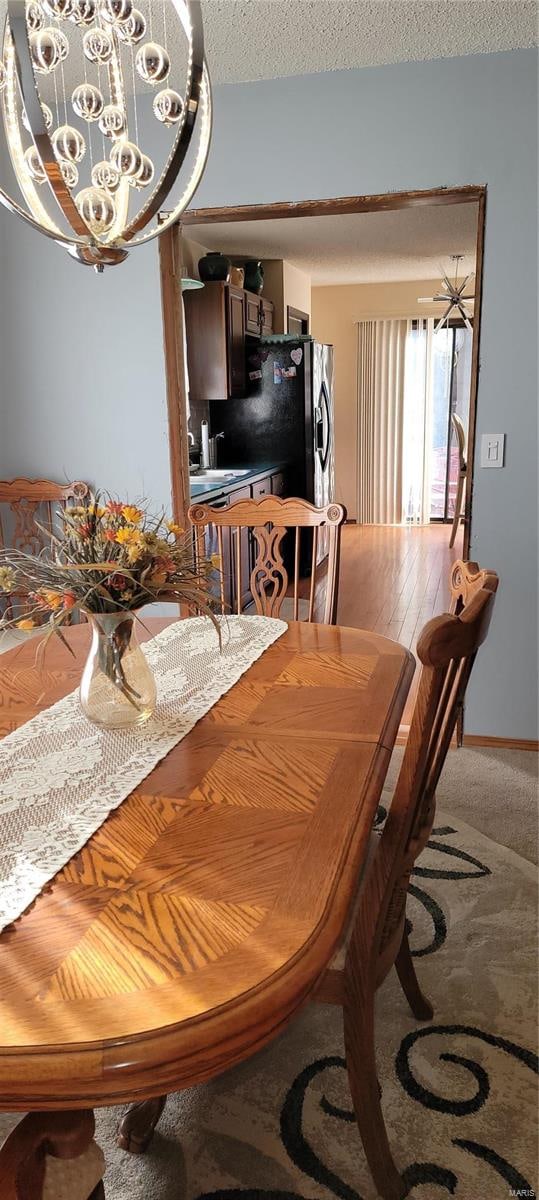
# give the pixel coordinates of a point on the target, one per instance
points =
(236, 342)
(215, 331)
(252, 313)
(217, 319)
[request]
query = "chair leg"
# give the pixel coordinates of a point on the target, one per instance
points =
(137, 1128)
(458, 511)
(358, 1016)
(420, 1006)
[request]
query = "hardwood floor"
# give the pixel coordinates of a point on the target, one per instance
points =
(394, 579)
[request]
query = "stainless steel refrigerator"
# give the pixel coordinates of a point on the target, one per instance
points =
(286, 417)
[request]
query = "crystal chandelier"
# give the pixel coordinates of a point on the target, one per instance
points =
(103, 104)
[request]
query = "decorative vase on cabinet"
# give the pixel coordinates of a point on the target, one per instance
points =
(254, 276)
(214, 267)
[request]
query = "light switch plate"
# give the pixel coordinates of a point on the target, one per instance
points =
(492, 449)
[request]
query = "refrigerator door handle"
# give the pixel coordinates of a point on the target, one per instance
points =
(323, 449)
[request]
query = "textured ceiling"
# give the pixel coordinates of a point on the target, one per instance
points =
(380, 247)
(261, 39)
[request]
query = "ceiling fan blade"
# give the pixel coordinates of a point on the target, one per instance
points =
(440, 324)
(464, 316)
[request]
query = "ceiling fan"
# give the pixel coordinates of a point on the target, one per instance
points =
(453, 296)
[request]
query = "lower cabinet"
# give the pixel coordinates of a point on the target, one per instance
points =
(244, 557)
(271, 484)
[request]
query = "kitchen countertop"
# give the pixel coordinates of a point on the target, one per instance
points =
(206, 490)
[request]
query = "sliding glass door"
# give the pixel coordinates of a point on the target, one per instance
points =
(451, 375)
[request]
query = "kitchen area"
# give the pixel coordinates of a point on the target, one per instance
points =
(260, 393)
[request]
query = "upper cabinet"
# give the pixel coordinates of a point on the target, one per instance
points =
(218, 318)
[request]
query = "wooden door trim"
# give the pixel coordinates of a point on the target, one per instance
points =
(343, 205)
(173, 326)
(297, 315)
(474, 376)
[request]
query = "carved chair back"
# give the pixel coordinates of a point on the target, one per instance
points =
(447, 648)
(269, 519)
(26, 504)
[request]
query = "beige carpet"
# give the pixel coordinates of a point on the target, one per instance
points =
(459, 1094)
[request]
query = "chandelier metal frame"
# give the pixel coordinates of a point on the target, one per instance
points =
(112, 247)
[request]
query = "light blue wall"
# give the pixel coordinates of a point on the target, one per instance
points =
(82, 382)
(413, 125)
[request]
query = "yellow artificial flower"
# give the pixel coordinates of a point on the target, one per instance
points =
(127, 537)
(76, 510)
(26, 624)
(216, 561)
(132, 514)
(7, 579)
(97, 510)
(126, 596)
(174, 528)
(135, 551)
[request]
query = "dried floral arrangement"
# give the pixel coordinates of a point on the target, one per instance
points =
(109, 557)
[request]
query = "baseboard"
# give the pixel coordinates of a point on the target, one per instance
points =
(479, 739)
(500, 743)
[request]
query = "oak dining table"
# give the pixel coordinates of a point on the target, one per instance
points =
(201, 916)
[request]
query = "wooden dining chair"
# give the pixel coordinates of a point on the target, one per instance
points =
(269, 520)
(27, 504)
(461, 441)
(377, 938)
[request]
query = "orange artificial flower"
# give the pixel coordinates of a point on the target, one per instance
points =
(110, 535)
(53, 599)
(114, 507)
(69, 600)
(157, 578)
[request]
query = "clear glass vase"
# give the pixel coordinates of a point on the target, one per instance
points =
(117, 689)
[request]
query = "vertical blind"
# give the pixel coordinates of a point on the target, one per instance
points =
(381, 368)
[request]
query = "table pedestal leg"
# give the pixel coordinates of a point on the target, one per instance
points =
(52, 1150)
(136, 1129)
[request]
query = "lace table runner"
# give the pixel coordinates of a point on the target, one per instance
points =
(61, 776)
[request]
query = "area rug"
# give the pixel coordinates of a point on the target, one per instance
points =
(459, 1094)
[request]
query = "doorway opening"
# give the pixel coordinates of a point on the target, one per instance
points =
(393, 575)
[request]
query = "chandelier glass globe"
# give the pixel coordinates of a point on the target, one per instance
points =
(112, 121)
(35, 17)
(127, 158)
(97, 60)
(69, 145)
(61, 10)
(96, 208)
(44, 50)
(70, 174)
(133, 30)
(47, 117)
(152, 63)
(34, 165)
(98, 45)
(87, 101)
(62, 43)
(116, 11)
(144, 176)
(84, 12)
(104, 175)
